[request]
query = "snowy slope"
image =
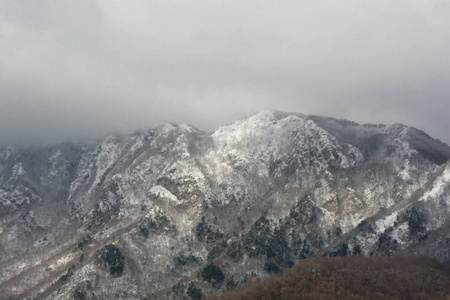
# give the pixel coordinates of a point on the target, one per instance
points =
(272, 189)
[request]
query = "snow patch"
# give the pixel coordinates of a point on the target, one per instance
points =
(386, 222)
(161, 191)
(139, 142)
(405, 173)
(18, 170)
(63, 260)
(109, 153)
(53, 160)
(438, 187)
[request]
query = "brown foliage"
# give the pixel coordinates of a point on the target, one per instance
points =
(355, 278)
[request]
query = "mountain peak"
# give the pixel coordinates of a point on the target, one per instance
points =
(253, 197)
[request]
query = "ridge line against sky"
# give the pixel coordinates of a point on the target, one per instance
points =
(87, 68)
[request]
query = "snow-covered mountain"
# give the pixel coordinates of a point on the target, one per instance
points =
(174, 210)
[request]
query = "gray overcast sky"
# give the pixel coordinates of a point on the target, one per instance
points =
(85, 68)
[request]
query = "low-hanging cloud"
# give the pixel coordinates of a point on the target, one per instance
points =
(87, 68)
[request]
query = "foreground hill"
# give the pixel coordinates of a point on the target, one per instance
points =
(159, 211)
(355, 278)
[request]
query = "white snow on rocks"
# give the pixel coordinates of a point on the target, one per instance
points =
(386, 222)
(438, 187)
(160, 191)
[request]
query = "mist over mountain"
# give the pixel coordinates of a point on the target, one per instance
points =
(173, 210)
(81, 69)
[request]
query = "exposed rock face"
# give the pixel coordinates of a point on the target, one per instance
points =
(251, 199)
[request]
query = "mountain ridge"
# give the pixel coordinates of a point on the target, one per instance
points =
(252, 197)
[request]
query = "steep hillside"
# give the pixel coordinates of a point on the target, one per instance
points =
(353, 278)
(147, 213)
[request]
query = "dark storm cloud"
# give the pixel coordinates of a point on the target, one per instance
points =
(86, 68)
